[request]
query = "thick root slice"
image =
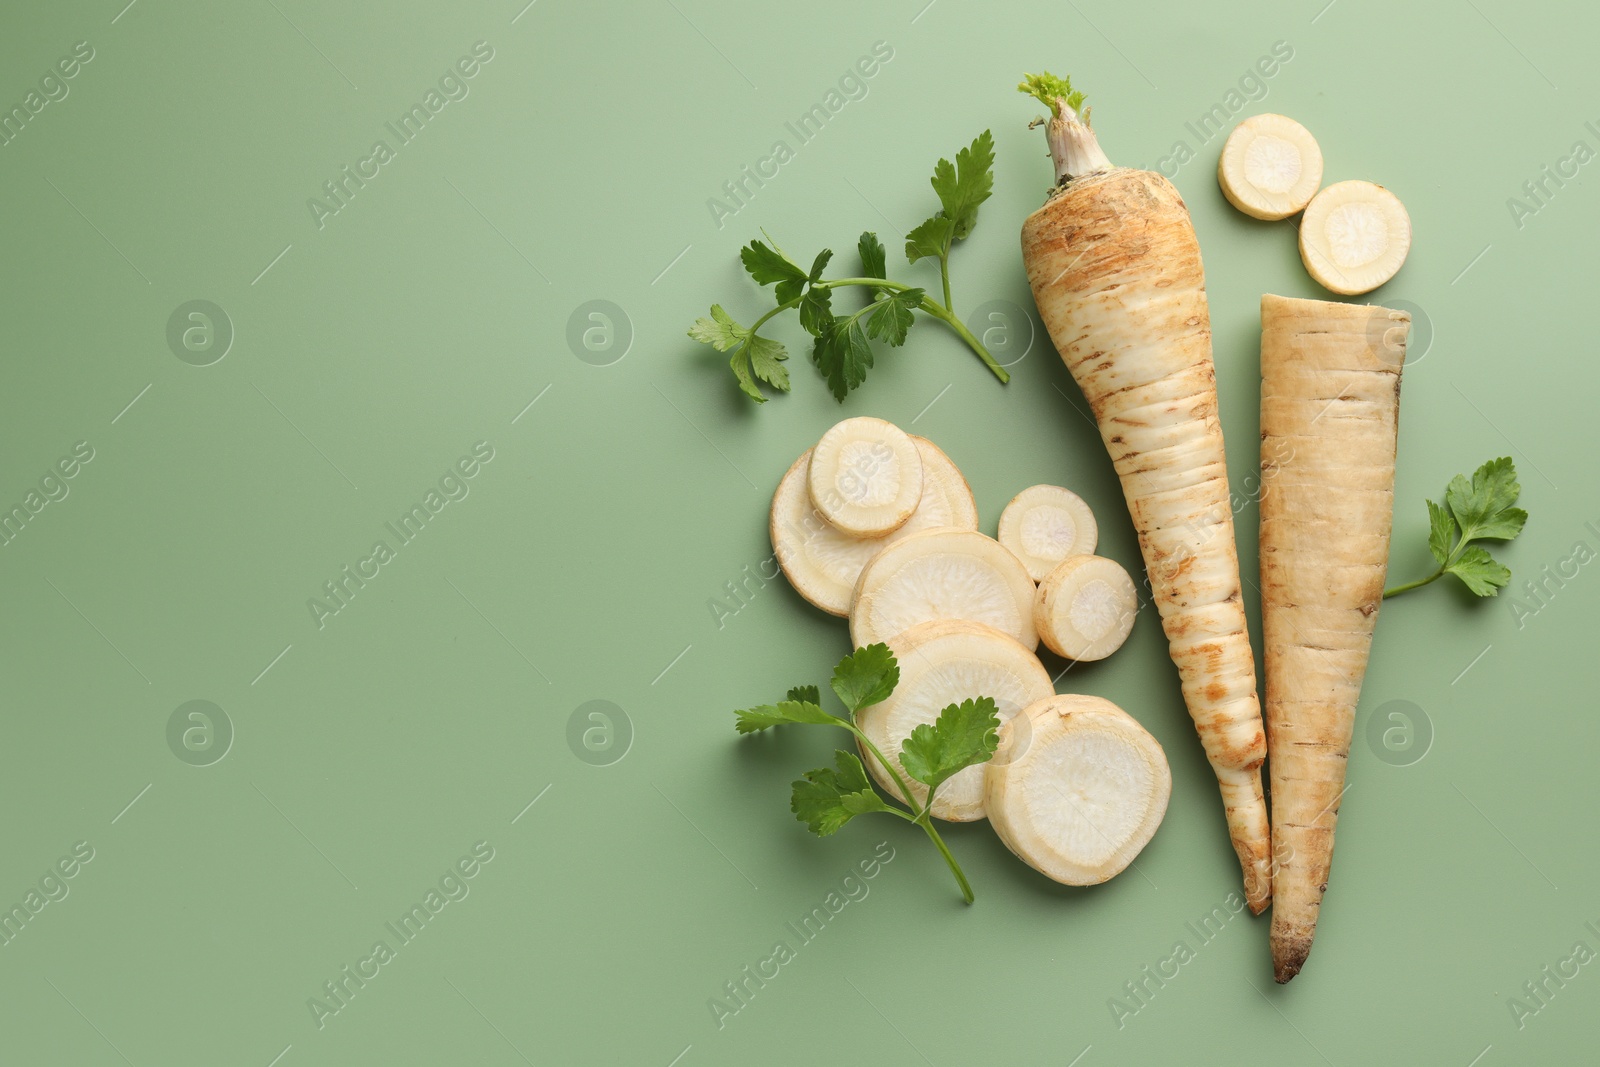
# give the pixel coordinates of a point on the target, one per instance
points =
(944, 663)
(1085, 608)
(1082, 793)
(865, 477)
(943, 574)
(823, 562)
(1044, 524)
(1270, 168)
(1354, 237)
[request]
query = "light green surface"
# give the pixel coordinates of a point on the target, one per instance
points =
(426, 715)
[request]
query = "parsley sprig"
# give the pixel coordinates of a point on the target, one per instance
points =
(828, 797)
(841, 342)
(1479, 510)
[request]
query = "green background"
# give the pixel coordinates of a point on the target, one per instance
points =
(424, 317)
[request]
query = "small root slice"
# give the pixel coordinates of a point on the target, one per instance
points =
(1077, 788)
(943, 574)
(1270, 167)
(865, 477)
(1085, 608)
(1354, 237)
(944, 663)
(823, 562)
(1044, 524)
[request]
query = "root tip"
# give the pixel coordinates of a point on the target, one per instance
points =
(1288, 958)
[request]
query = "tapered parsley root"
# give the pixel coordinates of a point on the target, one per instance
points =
(1115, 270)
(1330, 400)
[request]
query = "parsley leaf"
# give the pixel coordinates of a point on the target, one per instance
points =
(964, 735)
(753, 357)
(1484, 508)
(784, 712)
(768, 265)
(1441, 532)
(1477, 510)
(930, 239)
(816, 311)
(807, 693)
(866, 676)
(891, 317)
(842, 354)
(826, 799)
(874, 262)
(1483, 575)
(963, 187)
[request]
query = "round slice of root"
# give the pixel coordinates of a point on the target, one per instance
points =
(1044, 524)
(1084, 796)
(1085, 608)
(1354, 237)
(943, 574)
(944, 663)
(823, 562)
(866, 476)
(1270, 168)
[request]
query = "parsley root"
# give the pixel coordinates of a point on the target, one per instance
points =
(1330, 404)
(1115, 269)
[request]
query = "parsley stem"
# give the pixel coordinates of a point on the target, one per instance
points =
(905, 790)
(1450, 559)
(1419, 583)
(955, 868)
(944, 276)
(939, 311)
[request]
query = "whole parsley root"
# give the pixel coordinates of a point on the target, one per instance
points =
(825, 799)
(1330, 406)
(842, 341)
(1115, 269)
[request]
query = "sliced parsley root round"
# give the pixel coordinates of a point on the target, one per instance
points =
(944, 663)
(1085, 608)
(1354, 237)
(1083, 795)
(943, 574)
(823, 562)
(1270, 167)
(1044, 524)
(865, 476)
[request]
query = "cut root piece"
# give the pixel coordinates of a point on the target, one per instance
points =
(823, 562)
(1084, 795)
(944, 663)
(943, 574)
(1354, 237)
(866, 477)
(1270, 168)
(1085, 608)
(1044, 524)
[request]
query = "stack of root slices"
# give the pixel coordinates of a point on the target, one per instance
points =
(879, 526)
